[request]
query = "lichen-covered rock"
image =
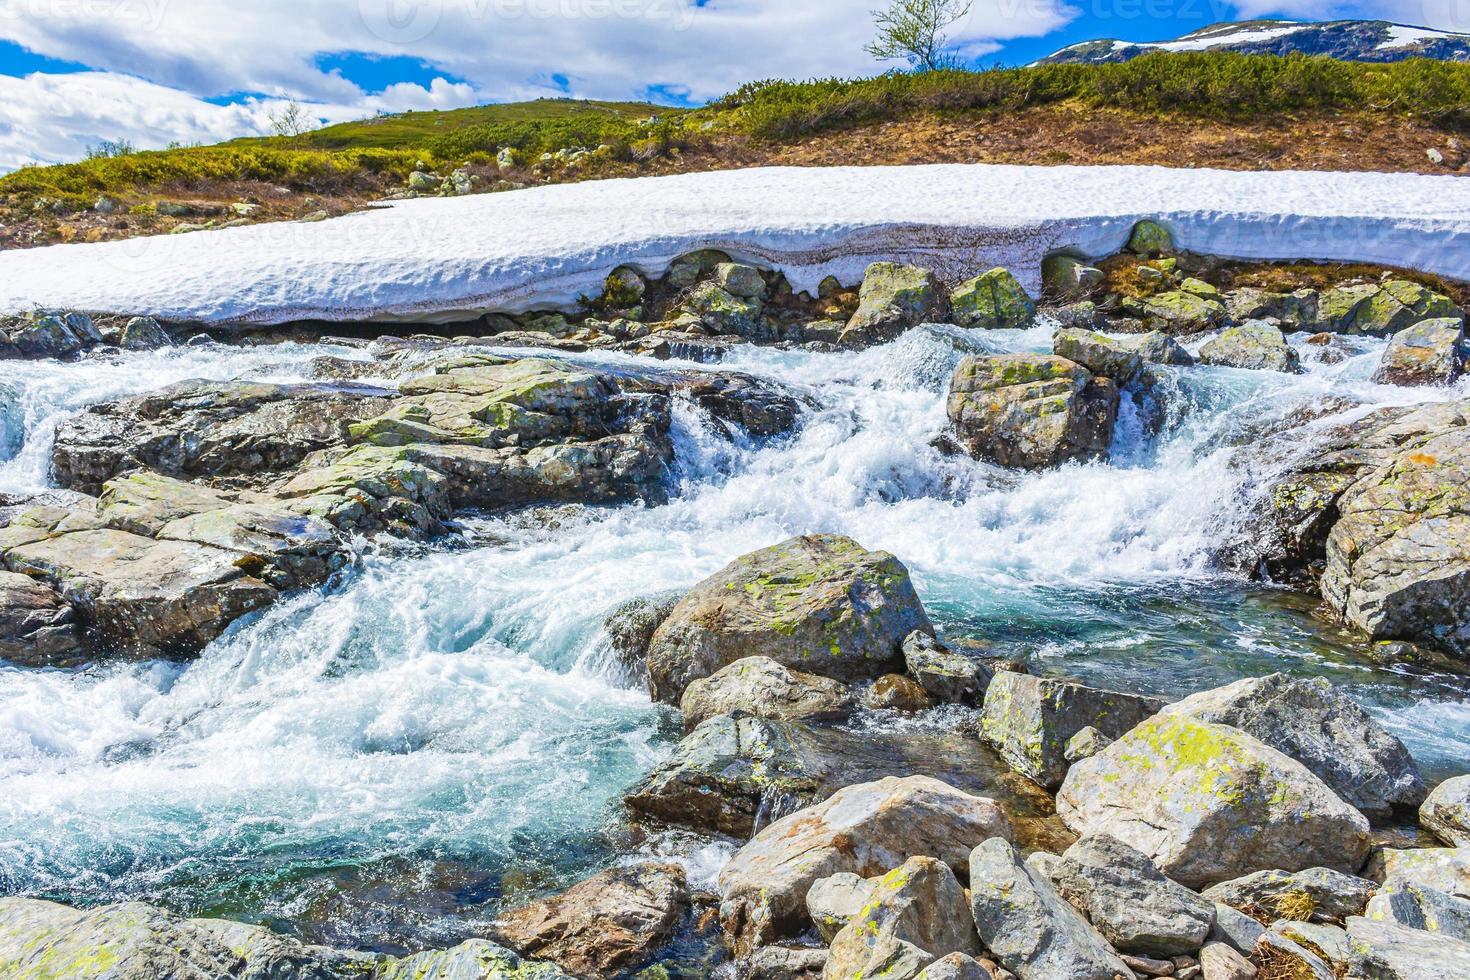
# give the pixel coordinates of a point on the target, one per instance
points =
(142, 597)
(631, 625)
(271, 956)
(240, 431)
(722, 312)
(37, 627)
(741, 280)
(761, 687)
(915, 914)
(1420, 907)
(1126, 899)
(143, 333)
(1296, 310)
(130, 941)
(892, 299)
(45, 336)
(1445, 869)
(1085, 744)
(1064, 277)
(610, 923)
(1334, 896)
(1446, 811)
(1383, 309)
(1156, 347)
(1100, 354)
(1031, 410)
(1208, 803)
(1150, 239)
(945, 675)
(1177, 312)
(834, 902)
(1029, 720)
(867, 829)
(473, 959)
(993, 300)
(1031, 930)
(956, 966)
(1388, 951)
(821, 604)
(1428, 353)
(1254, 345)
(1319, 726)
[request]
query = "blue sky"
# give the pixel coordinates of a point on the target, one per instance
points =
(74, 73)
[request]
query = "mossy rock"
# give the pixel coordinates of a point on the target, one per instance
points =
(1150, 239)
(994, 300)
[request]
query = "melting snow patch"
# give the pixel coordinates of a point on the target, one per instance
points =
(453, 258)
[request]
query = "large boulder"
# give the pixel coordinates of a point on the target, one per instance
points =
(992, 300)
(1420, 907)
(129, 941)
(762, 687)
(1383, 309)
(1428, 353)
(1029, 720)
(612, 922)
(1125, 898)
(821, 604)
(1100, 354)
(1319, 726)
(1031, 930)
(892, 299)
(914, 915)
(237, 430)
(1150, 239)
(38, 628)
(1031, 410)
(1333, 895)
(1255, 345)
(1388, 951)
(868, 830)
(1296, 310)
(1208, 803)
(143, 333)
(1445, 869)
(1446, 811)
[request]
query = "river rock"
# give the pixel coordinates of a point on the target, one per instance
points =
(1383, 309)
(37, 627)
(761, 687)
(1420, 907)
(1100, 354)
(868, 830)
(892, 299)
(1085, 744)
(834, 902)
(238, 430)
(993, 300)
(1031, 930)
(272, 956)
(1334, 895)
(821, 604)
(1446, 812)
(1157, 347)
(1125, 898)
(1388, 951)
(473, 959)
(1178, 313)
(614, 921)
(1255, 345)
(1031, 410)
(1296, 310)
(143, 333)
(128, 941)
(1428, 353)
(915, 914)
(1209, 803)
(1445, 869)
(46, 337)
(1064, 277)
(783, 963)
(723, 313)
(946, 676)
(1030, 720)
(631, 625)
(1319, 726)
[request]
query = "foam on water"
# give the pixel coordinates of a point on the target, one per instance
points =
(383, 761)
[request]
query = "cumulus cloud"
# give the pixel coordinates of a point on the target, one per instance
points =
(495, 50)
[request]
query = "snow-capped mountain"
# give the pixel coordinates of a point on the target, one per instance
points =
(1350, 40)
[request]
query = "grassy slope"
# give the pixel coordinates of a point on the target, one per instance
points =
(1199, 109)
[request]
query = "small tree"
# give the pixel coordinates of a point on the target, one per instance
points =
(289, 120)
(913, 30)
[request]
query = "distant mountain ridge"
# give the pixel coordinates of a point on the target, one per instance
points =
(1348, 40)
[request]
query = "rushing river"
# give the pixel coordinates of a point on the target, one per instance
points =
(383, 762)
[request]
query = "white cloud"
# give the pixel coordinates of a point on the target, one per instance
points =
(502, 49)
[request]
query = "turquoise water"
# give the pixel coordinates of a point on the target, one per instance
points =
(385, 762)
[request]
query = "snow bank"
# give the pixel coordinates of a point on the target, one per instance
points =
(446, 259)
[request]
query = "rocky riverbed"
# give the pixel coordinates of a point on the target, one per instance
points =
(914, 627)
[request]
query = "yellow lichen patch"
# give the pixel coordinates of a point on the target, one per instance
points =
(1422, 459)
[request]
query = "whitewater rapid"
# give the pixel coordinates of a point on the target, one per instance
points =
(383, 761)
